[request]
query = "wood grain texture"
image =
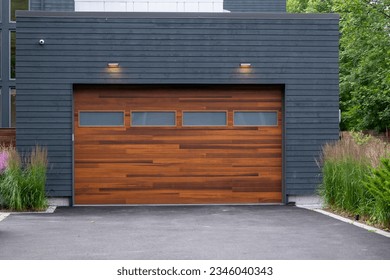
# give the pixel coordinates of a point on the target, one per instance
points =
(7, 137)
(177, 165)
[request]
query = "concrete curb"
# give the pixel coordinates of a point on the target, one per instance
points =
(345, 220)
(50, 209)
(3, 216)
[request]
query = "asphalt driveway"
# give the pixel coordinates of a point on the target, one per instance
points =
(186, 232)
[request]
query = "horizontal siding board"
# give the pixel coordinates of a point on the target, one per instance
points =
(302, 153)
(314, 180)
(301, 165)
(304, 132)
(312, 126)
(287, 59)
(68, 65)
(61, 183)
(96, 50)
(298, 170)
(136, 39)
(299, 191)
(309, 136)
(173, 79)
(333, 109)
(297, 51)
(158, 68)
(302, 174)
(23, 114)
(184, 29)
(202, 73)
(302, 148)
(45, 125)
(52, 144)
(33, 137)
(52, 131)
(60, 191)
(163, 19)
(209, 51)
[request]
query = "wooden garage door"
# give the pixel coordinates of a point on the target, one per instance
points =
(170, 145)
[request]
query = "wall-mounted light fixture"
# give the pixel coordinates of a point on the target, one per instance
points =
(245, 65)
(113, 65)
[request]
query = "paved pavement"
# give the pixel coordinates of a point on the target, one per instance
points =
(186, 232)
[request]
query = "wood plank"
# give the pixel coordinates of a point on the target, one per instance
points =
(7, 137)
(175, 165)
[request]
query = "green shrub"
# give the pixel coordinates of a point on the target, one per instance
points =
(360, 138)
(378, 185)
(23, 185)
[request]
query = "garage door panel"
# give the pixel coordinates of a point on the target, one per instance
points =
(193, 197)
(137, 165)
(104, 134)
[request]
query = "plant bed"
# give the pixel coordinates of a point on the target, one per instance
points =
(356, 179)
(50, 209)
(356, 218)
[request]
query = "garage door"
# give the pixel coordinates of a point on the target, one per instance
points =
(177, 145)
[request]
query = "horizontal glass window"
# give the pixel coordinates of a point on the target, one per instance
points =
(255, 118)
(13, 54)
(101, 118)
(147, 118)
(204, 118)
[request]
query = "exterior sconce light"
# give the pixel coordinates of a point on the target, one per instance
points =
(245, 65)
(245, 68)
(113, 65)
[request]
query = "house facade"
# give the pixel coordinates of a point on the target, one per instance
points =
(175, 102)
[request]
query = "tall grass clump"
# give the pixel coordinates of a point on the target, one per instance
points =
(349, 166)
(23, 180)
(35, 179)
(12, 181)
(344, 168)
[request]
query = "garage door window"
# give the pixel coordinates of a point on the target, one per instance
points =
(101, 118)
(204, 118)
(255, 118)
(148, 118)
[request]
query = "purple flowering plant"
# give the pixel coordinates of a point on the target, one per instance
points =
(3, 161)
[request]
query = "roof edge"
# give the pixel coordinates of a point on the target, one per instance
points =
(173, 15)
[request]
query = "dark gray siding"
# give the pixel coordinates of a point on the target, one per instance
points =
(52, 5)
(298, 51)
(265, 6)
